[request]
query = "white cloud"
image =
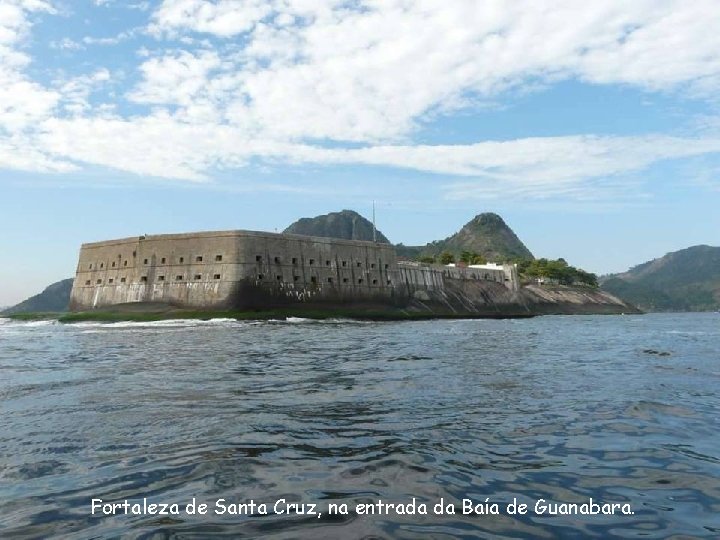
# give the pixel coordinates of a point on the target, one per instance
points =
(234, 80)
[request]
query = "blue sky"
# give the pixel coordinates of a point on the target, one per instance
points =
(594, 130)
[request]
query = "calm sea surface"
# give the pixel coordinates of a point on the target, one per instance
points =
(622, 409)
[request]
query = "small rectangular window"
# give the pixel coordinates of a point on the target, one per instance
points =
(134, 253)
(372, 265)
(198, 258)
(178, 278)
(360, 280)
(344, 263)
(345, 280)
(122, 280)
(387, 266)
(278, 278)
(389, 282)
(294, 260)
(111, 280)
(258, 258)
(144, 278)
(162, 261)
(218, 258)
(145, 261)
(102, 265)
(113, 264)
(87, 282)
(374, 282)
(198, 276)
(216, 276)
(90, 267)
(296, 278)
(313, 279)
(161, 278)
(359, 264)
(99, 281)
(182, 259)
(311, 261)
(125, 263)
(327, 263)
(277, 260)
(329, 280)
(260, 276)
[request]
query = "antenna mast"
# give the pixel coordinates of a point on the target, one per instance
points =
(374, 229)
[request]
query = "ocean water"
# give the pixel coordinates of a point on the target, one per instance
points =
(617, 409)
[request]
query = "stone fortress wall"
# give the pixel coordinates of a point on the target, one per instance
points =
(233, 269)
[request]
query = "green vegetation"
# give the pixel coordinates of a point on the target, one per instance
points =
(447, 258)
(558, 271)
(685, 280)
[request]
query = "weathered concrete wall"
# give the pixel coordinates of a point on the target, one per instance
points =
(232, 269)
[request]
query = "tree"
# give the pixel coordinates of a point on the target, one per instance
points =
(446, 257)
(427, 259)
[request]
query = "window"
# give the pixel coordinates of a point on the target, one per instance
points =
(360, 280)
(87, 282)
(102, 265)
(344, 263)
(374, 281)
(345, 280)
(144, 278)
(122, 280)
(216, 276)
(359, 264)
(277, 260)
(311, 262)
(327, 263)
(387, 266)
(260, 276)
(258, 258)
(145, 261)
(198, 258)
(161, 278)
(162, 261)
(279, 278)
(182, 259)
(296, 278)
(294, 260)
(198, 276)
(178, 278)
(218, 258)
(329, 280)
(99, 281)
(389, 282)
(113, 264)
(134, 253)
(313, 279)
(372, 265)
(111, 280)
(90, 267)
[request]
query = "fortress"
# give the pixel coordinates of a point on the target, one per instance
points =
(248, 270)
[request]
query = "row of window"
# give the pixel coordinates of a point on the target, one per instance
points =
(314, 279)
(311, 262)
(163, 260)
(179, 277)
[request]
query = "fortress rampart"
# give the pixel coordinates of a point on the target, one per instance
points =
(256, 270)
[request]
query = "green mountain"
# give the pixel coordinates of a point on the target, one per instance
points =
(55, 297)
(486, 234)
(685, 280)
(347, 224)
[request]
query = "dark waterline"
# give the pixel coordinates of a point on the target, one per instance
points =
(620, 409)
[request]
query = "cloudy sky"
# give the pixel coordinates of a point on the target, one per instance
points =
(593, 128)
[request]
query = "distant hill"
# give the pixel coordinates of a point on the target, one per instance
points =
(55, 297)
(346, 224)
(685, 280)
(486, 234)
